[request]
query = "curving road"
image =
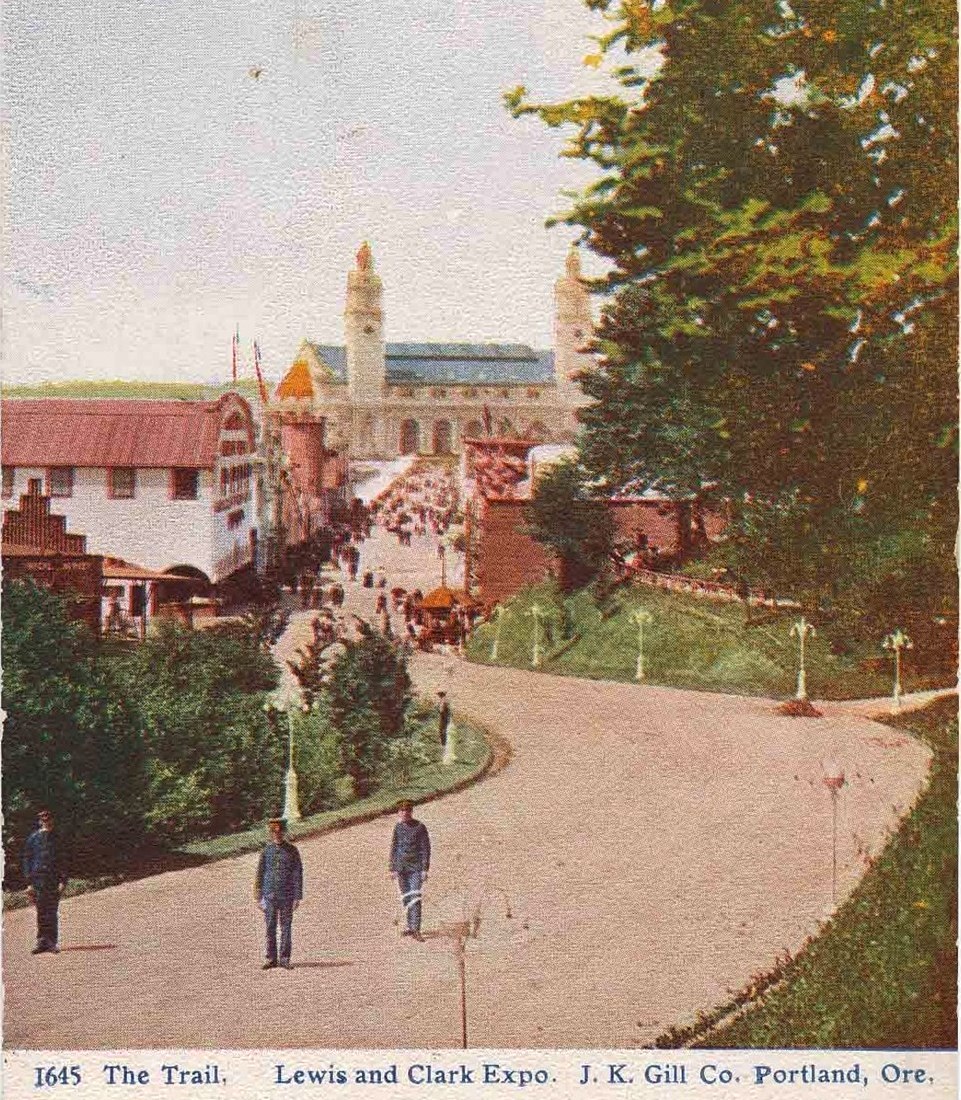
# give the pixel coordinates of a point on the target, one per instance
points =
(656, 848)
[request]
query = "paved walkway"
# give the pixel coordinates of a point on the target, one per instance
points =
(655, 848)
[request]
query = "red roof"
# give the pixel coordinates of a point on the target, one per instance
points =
(118, 432)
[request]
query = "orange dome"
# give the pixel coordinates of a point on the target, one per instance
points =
(296, 382)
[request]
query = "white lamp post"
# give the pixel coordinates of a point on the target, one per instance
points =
(499, 615)
(834, 781)
(897, 641)
(802, 630)
(536, 612)
(287, 699)
(639, 618)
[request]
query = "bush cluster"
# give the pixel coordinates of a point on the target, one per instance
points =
(147, 747)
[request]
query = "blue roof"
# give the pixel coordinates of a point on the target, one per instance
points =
(335, 358)
(454, 364)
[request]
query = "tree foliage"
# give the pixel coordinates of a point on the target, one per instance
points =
(566, 518)
(364, 689)
(70, 738)
(199, 697)
(776, 200)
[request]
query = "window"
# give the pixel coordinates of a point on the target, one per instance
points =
(185, 484)
(60, 481)
(8, 476)
(122, 483)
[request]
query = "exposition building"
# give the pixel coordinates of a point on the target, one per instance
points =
(382, 400)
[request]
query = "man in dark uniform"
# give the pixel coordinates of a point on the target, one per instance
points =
(409, 864)
(45, 869)
(443, 717)
(279, 889)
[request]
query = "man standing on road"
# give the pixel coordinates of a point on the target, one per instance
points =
(443, 717)
(45, 869)
(279, 889)
(409, 864)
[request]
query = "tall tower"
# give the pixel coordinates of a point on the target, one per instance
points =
(364, 330)
(573, 330)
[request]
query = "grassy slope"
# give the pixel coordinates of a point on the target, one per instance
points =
(691, 643)
(187, 391)
(883, 974)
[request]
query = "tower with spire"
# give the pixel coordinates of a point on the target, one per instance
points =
(364, 330)
(573, 329)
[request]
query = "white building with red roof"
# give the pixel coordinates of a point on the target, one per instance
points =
(167, 484)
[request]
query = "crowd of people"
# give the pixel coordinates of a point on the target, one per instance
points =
(423, 502)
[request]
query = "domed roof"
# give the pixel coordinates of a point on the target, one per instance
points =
(297, 382)
(443, 599)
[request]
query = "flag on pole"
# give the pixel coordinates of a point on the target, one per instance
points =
(234, 345)
(261, 386)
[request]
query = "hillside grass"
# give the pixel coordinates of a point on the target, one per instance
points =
(883, 974)
(690, 642)
(117, 388)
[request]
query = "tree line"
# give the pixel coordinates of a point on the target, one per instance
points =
(775, 207)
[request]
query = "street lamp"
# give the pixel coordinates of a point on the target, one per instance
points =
(499, 615)
(442, 554)
(286, 700)
(802, 630)
(834, 781)
(536, 613)
(897, 641)
(639, 618)
(459, 932)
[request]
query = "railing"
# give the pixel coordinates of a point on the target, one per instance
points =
(678, 582)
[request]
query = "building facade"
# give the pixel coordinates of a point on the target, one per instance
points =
(382, 400)
(167, 484)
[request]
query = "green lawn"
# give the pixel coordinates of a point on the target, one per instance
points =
(186, 391)
(690, 642)
(883, 974)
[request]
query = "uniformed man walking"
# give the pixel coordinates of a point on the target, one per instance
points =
(45, 868)
(279, 889)
(409, 864)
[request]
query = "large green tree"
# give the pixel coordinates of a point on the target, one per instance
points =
(362, 688)
(776, 201)
(71, 739)
(571, 522)
(214, 762)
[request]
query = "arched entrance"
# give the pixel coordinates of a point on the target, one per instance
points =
(442, 437)
(409, 437)
(536, 432)
(474, 429)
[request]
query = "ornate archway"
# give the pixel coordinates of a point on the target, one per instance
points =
(442, 437)
(409, 437)
(537, 432)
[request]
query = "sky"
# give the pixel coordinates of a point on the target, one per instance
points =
(157, 193)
